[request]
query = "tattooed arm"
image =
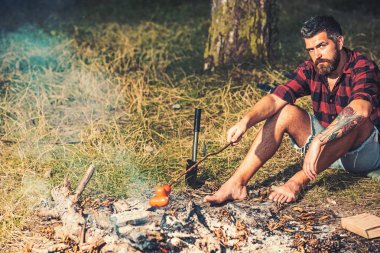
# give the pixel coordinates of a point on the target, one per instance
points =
(348, 119)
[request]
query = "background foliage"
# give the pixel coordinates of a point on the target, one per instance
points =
(115, 83)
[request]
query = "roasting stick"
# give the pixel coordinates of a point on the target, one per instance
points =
(161, 198)
(196, 164)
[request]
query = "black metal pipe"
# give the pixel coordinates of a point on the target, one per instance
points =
(191, 177)
(197, 127)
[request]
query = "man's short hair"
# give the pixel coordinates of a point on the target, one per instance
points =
(319, 24)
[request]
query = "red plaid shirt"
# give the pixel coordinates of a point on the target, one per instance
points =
(360, 80)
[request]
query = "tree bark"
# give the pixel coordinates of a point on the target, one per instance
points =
(240, 32)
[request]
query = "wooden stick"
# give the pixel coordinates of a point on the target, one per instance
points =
(61, 247)
(83, 183)
(83, 233)
(46, 213)
(44, 142)
(196, 164)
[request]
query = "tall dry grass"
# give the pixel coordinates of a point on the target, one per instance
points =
(120, 92)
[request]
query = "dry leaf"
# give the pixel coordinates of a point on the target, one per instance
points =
(298, 209)
(323, 218)
(287, 217)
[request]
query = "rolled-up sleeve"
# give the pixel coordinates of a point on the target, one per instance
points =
(296, 87)
(366, 84)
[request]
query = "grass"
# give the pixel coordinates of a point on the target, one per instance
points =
(106, 76)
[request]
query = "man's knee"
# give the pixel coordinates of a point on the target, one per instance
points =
(294, 121)
(290, 114)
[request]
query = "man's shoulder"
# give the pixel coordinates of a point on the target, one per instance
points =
(358, 62)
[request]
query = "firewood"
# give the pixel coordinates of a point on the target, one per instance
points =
(46, 213)
(121, 247)
(83, 183)
(67, 208)
(88, 247)
(54, 248)
(133, 218)
(83, 233)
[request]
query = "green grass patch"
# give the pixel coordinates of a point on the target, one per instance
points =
(110, 76)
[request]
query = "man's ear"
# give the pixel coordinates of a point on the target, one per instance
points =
(340, 41)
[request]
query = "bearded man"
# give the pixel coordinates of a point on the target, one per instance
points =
(341, 133)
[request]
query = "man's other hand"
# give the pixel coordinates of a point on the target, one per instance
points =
(311, 158)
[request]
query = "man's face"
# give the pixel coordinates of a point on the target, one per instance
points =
(324, 52)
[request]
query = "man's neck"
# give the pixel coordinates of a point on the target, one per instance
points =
(339, 70)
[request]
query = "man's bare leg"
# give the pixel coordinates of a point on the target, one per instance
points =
(332, 152)
(291, 119)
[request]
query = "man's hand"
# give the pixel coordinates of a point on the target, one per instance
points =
(310, 162)
(266, 107)
(235, 133)
(349, 118)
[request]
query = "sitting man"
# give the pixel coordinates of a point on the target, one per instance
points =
(343, 132)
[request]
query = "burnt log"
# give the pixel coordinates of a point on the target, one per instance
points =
(67, 209)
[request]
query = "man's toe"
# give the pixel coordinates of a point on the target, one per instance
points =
(282, 199)
(214, 199)
(290, 198)
(209, 198)
(273, 195)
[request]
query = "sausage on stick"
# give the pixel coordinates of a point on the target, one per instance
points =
(161, 198)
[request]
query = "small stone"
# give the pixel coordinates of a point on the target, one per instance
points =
(125, 230)
(148, 149)
(102, 219)
(137, 237)
(135, 218)
(176, 242)
(176, 106)
(232, 242)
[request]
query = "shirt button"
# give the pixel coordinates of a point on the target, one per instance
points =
(333, 117)
(331, 100)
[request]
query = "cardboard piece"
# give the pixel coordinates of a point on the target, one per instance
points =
(366, 225)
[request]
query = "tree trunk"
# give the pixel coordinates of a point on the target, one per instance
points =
(240, 32)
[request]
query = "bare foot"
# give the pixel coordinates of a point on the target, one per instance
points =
(230, 190)
(286, 193)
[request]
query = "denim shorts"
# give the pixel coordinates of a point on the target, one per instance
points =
(360, 160)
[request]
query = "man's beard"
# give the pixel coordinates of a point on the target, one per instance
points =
(329, 66)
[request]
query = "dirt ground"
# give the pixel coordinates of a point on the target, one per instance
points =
(189, 225)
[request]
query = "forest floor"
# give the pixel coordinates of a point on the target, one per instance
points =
(115, 84)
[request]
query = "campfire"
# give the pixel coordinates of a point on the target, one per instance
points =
(185, 225)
